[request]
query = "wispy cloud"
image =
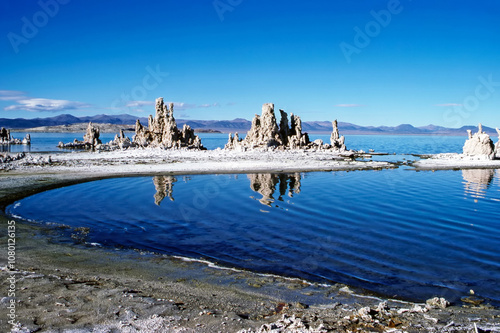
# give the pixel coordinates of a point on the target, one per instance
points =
(183, 106)
(45, 105)
(348, 105)
(11, 95)
(186, 106)
(139, 104)
(449, 104)
(209, 105)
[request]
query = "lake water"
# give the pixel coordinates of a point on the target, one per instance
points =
(400, 233)
(399, 144)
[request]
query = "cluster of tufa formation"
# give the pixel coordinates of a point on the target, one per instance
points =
(265, 133)
(7, 139)
(121, 141)
(162, 131)
(480, 143)
(91, 137)
(90, 140)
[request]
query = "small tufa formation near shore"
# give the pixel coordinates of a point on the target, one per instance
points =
(121, 141)
(92, 135)
(479, 143)
(90, 140)
(4, 135)
(497, 145)
(7, 139)
(266, 134)
(162, 131)
(336, 140)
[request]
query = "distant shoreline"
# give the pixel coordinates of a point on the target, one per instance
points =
(112, 128)
(113, 123)
(79, 128)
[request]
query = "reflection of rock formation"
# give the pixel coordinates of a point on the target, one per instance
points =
(265, 133)
(477, 181)
(479, 144)
(162, 130)
(266, 183)
(164, 186)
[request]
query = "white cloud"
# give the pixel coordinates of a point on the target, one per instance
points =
(138, 104)
(183, 106)
(209, 105)
(11, 95)
(186, 106)
(144, 106)
(45, 105)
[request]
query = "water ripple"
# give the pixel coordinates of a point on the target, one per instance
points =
(397, 232)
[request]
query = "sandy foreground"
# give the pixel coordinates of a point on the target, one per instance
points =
(63, 284)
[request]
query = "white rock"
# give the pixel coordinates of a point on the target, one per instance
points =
(437, 302)
(479, 143)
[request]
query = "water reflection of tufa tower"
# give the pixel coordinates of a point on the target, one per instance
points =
(266, 183)
(477, 181)
(164, 186)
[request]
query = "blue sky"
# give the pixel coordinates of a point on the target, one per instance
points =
(366, 62)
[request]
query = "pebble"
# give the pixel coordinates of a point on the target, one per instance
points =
(346, 290)
(472, 300)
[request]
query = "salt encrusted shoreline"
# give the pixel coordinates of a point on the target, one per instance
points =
(452, 161)
(156, 160)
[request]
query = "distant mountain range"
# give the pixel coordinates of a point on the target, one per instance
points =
(238, 125)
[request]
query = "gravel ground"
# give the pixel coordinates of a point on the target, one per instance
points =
(63, 284)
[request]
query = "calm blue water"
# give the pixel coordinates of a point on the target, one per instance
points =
(398, 144)
(407, 234)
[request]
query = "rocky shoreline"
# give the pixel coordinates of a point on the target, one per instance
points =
(157, 160)
(64, 284)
